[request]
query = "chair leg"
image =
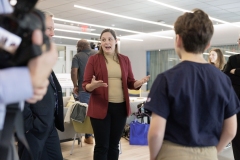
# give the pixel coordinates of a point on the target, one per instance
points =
(79, 139)
(75, 136)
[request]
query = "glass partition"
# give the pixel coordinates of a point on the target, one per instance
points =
(159, 61)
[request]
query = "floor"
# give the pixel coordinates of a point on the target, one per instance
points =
(129, 152)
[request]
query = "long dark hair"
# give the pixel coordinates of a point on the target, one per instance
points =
(115, 57)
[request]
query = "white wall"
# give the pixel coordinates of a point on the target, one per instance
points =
(136, 51)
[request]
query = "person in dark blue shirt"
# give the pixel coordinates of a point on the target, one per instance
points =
(193, 104)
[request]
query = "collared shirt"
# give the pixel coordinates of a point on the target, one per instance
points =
(15, 86)
(5, 7)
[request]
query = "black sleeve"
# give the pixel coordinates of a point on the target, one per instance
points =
(28, 117)
(228, 67)
(157, 100)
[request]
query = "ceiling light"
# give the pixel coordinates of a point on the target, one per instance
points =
(225, 55)
(133, 39)
(231, 52)
(184, 10)
(126, 17)
(95, 34)
(74, 38)
(118, 29)
(64, 30)
(13, 2)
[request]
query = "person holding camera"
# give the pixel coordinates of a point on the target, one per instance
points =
(42, 119)
(33, 80)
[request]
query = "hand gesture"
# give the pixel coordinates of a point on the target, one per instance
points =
(98, 83)
(141, 82)
(145, 79)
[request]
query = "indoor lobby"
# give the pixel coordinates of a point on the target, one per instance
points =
(145, 34)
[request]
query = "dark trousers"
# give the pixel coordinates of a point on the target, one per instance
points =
(236, 140)
(108, 131)
(45, 149)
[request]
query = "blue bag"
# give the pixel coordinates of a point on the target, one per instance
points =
(138, 133)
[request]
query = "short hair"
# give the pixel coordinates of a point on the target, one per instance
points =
(220, 62)
(195, 29)
(82, 45)
(48, 14)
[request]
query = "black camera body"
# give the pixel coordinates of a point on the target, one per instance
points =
(16, 29)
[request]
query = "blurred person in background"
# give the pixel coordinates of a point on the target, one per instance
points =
(42, 119)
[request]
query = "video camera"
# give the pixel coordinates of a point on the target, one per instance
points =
(16, 29)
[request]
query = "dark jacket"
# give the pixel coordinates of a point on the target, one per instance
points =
(234, 63)
(39, 117)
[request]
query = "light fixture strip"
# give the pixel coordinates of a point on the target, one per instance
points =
(118, 29)
(225, 55)
(64, 30)
(231, 52)
(183, 10)
(121, 16)
(64, 37)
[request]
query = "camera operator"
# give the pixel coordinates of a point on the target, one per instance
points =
(24, 83)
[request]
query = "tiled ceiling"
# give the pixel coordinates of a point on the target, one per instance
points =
(227, 10)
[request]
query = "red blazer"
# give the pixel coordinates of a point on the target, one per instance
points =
(98, 103)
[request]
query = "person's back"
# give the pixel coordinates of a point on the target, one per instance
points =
(198, 94)
(81, 59)
(79, 62)
(193, 105)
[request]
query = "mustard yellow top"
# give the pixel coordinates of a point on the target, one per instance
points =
(115, 88)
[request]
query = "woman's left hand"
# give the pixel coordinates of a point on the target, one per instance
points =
(141, 82)
(145, 79)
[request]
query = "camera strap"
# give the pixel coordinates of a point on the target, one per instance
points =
(13, 122)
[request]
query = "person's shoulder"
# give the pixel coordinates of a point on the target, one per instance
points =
(123, 56)
(92, 51)
(95, 56)
(234, 56)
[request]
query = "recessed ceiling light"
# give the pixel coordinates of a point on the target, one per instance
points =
(118, 29)
(126, 17)
(184, 10)
(95, 34)
(113, 25)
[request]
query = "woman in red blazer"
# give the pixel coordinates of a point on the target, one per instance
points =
(108, 76)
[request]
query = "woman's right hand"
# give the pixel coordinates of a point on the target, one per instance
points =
(95, 84)
(98, 83)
